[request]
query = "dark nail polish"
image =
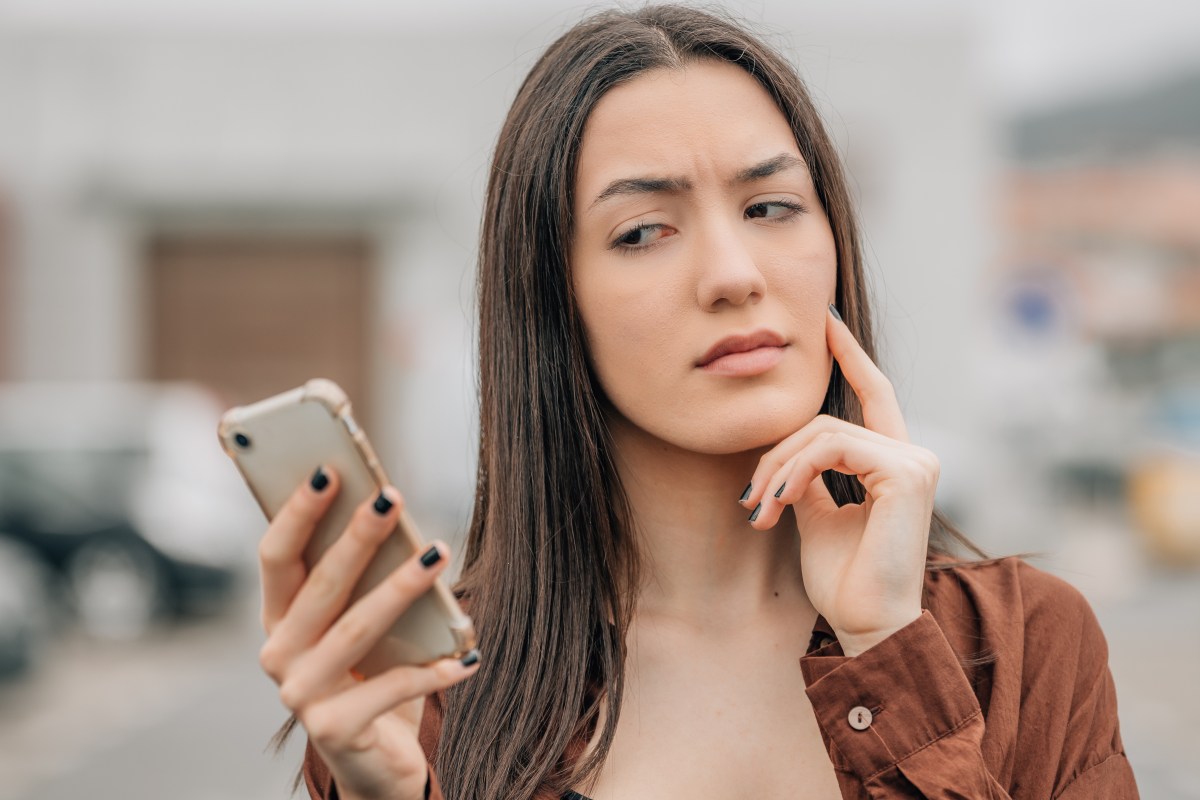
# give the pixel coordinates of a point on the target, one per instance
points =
(382, 504)
(835, 312)
(319, 480)
(470, 659)
(782, 486)
(746, 493)
(754, 513)
(431, 557)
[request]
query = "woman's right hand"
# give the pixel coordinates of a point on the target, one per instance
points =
(365, 730)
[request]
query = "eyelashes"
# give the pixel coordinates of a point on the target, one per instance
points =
(790, 209)
(640, 236)
(634, 238)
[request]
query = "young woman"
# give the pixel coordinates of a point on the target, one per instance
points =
(704, 560)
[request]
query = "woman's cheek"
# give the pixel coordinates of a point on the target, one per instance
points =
(628, 344)
(636, 354)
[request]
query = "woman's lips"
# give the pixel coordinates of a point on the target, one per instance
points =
(744, 355)
(747, 362)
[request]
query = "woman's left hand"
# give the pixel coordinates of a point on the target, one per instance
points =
(863, 564)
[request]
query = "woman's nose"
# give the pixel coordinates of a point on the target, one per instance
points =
(727, 272)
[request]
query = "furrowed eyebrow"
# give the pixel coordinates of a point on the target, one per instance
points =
(628, 186)
(770, 167)
(641, 186)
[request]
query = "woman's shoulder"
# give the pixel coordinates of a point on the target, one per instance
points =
(1008, 606)
(1001, 582)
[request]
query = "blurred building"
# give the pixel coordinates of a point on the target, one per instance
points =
(1098, 284)
(6, 291)
(245, 195)
(249, 206)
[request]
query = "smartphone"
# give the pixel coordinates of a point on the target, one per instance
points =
(277, 444)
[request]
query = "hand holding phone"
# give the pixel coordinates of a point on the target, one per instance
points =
(277, 443)
(365, 728)
(359, 627)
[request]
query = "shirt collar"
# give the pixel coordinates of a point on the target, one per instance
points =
(822, 634)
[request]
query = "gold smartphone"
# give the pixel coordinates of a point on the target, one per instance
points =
(277, 443)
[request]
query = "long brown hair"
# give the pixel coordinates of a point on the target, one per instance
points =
(550, 558)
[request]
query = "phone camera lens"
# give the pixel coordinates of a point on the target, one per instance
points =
(243, 441)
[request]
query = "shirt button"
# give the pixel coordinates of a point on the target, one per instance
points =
(860, 718)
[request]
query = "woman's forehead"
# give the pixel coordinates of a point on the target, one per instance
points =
(707, 119)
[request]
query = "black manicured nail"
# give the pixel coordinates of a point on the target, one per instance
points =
(470, 659)
(745, 494)
(754, 513)
(782, 486)
(319, 480)
(431, 557)
(835, 312)
(382, 504)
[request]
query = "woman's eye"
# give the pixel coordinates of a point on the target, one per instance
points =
(776, 209)
(641, 236)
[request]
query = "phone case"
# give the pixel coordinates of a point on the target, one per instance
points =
(277, 443)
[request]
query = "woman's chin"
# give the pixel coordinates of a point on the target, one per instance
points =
(719, 429)
(742, 433)
(757, 438)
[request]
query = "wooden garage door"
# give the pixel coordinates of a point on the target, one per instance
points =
(251, 316)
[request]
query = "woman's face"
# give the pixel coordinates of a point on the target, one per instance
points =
(698, 232)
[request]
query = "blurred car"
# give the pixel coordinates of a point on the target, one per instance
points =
(121, 491)
(25, 607)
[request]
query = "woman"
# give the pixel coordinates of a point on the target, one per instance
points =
(667, 244)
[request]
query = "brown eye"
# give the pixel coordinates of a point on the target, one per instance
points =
(638, 238)
(635, 237)
(776, 209)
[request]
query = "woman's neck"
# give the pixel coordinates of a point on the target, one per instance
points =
(701, 560)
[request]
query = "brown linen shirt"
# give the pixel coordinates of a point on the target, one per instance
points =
(1039, 721)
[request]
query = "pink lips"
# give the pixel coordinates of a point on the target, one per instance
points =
(750, 354)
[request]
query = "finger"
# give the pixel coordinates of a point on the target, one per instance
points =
(337, 721)
(839, 451)
(327, 589)
(281, 551)
(778, 479)
(779, 455)
(360, 628)
(881, 409)
(790, 482)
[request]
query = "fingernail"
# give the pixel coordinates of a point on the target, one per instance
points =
(835, 313)
(431, 557)
(382, 504)
(782, 486)
(754, 513)
(319, 480)
(470, 659)
(745, 494)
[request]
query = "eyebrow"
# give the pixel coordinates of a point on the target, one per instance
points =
(764, 169)
(642, 186)
(771, 166)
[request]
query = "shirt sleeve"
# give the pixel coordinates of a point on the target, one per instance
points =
(317, 778)
(901, 720)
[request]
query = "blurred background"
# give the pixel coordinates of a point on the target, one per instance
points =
(205, 203)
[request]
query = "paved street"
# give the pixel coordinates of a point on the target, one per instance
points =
(1154, 654)
(186, 714)
(183, 715)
